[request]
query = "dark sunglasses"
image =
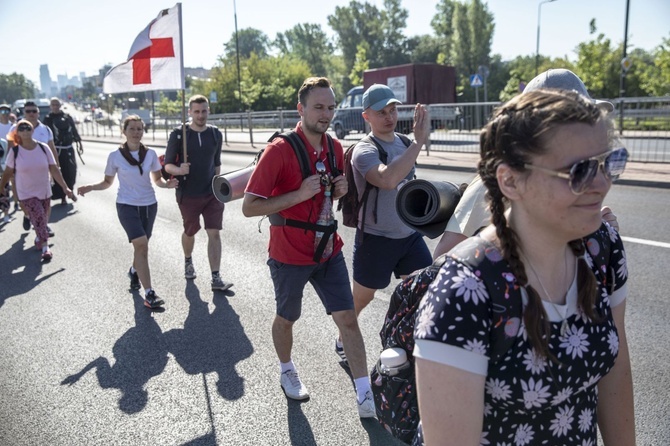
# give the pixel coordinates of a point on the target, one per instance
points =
(24, 128)
(4, 111)
(31, 111)
(581, 174)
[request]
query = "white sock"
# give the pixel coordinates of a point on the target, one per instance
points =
(338, 342)
(132, 270)
(45, 248)
(362, 385)
(146, 291)
(285, 366)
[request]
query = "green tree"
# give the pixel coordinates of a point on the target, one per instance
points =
(655, 77)
(394, 21)
(15, 86)
(251, 41)
(424, 48)
(442, 24)
(360, 65)
(307, 42)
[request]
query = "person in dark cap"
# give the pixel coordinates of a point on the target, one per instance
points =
(384, 245)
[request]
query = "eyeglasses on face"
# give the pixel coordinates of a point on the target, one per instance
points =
(31, 111)
(581, 174)
(24, 128)
(4, 111)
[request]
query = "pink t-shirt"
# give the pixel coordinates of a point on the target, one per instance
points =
(31, 171)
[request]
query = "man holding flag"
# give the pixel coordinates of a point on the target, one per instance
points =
(155, 62)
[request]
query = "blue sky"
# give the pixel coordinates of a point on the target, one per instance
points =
(85, 35)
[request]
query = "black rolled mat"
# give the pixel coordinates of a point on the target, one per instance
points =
(427, 206)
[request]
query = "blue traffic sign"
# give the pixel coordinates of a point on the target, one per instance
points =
(476, 81)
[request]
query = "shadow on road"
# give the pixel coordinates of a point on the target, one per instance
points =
(139, 355)
(211, 342)
(20, 270)
(299, 428)
(60, 211)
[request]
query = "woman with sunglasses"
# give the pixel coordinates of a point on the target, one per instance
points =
(548, 159)
(136, 204)
(31, 165)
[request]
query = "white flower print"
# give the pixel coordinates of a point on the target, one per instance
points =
(574, 341)
(469, 286)
(534, 362)
(561, 396)
(524, 435)
(561, 424)
(498, 390)
(488, 410)
(424, 323)
(613, 341)
(590, 382)
(534, 394)
(475, 346)
(587, 442)
(483, 440)
(611, 232)
(585, 420)
(622, 271)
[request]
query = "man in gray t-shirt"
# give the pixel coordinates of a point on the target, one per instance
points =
(385, 245)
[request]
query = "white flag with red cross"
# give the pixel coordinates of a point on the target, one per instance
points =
(155, 61)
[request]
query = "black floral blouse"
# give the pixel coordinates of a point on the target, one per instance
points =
(530, 400)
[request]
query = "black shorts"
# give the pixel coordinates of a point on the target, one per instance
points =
(376, 257)
(137, 221)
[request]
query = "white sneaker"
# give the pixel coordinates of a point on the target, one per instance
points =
(293, 387)
(366, 408)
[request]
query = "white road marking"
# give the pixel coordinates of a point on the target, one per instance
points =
(646, 242)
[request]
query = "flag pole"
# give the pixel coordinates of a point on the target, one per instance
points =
(183, 125)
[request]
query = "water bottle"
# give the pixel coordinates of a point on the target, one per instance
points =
(393, 361)
(326, 218)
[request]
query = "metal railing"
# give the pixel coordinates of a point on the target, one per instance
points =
(455, 127)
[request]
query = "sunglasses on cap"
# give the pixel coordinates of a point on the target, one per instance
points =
(31, 111)
(581, 174)
(24, 128)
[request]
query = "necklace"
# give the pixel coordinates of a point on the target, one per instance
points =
(564, 319)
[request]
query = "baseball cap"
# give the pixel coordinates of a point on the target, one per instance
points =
(378, 96)
(5, 106)
(563, 79)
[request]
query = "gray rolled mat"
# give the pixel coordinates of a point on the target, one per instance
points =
(230, 186)
(427, 206)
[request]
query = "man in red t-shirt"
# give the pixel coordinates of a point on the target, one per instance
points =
(277, 187)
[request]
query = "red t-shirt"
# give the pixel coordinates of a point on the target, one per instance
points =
(278, 172)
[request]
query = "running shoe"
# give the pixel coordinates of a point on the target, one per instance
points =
(219, 284)
(47, 256)
(26, 223)
(152, 301)
(366, 408)
(50, 231)
(339, 349)
(189, 270)
(293, 387)
(134, 280)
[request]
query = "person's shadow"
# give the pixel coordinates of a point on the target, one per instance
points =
(60, 211)
(211, 342)
(140, 354)
(20, 270)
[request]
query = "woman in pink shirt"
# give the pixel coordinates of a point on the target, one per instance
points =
(31, 165)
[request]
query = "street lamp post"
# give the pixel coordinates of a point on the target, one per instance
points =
(537, 45)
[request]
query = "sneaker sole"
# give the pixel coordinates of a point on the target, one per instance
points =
(155, 305)
(302, 398)
(223, 288)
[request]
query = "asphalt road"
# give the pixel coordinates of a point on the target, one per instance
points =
(82, 362)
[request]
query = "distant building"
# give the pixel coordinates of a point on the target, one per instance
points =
(45, 80)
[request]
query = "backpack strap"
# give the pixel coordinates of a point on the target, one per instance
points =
(488, 263)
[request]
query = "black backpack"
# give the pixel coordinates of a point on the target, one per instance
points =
(350, 204)
(63, 129)
(161, 158)
(396, 396)
(300, 151)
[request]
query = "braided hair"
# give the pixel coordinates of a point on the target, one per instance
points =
(519, 131)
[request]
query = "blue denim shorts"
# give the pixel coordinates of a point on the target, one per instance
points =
(329, 279)
(137, 221)
(377, 257)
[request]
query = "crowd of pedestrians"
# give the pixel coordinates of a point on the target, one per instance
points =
(548, 158)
